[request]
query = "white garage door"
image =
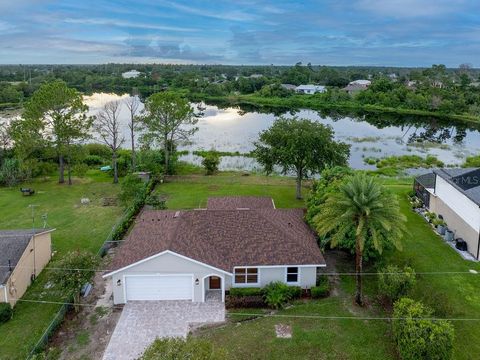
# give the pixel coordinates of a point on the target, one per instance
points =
(169, 287)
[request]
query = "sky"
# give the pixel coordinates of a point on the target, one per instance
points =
(341, 32)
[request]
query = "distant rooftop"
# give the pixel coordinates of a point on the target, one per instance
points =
(310, 87)
(360, 82)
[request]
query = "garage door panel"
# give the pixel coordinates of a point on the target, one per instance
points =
(170, 287)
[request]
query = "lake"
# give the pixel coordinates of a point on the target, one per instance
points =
(227, 128)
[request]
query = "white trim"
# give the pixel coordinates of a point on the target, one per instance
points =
(222, 285)
(298, 282)
(5, 292)
(245, 284)
(273, 203)
(44, 232)
(156, 275)
(279, 266)
(160, 254)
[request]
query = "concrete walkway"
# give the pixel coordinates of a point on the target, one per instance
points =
(142, 322)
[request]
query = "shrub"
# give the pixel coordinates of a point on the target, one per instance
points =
(10, 172)
(277, 294)
(132, 188)
(254, 301)
(320, 291)
(93, 160)
(394, 283)
(5, 312)
(419, 338)
(99, 150)
(150, 160)
(294, 292)
(155, 202)
(177, 348)
(46, 168)
(211, 162)
(246, 291)
(80, 170)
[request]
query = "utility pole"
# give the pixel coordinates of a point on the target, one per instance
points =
(33, 237)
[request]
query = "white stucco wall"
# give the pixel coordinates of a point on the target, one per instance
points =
(169, 263)
(166, 264)
(459, 203)
(267, 274)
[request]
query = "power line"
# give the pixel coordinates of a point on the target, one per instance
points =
(306, 316)
(466, 272)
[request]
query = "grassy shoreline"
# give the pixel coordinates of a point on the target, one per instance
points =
(311, 102)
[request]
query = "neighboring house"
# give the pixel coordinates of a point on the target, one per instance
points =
(234, 242)
(132, 74)
(357, 85)
(455, 195)
(310, 89)
(288, 86)
(23, 255)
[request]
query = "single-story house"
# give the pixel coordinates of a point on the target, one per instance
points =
(132, 74)
(455, 195)
(357, 85)
(234, 242)
(310, 89)
(23, 255)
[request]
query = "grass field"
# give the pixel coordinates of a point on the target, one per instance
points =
(189, 192)
(78, 227)
(456, 296)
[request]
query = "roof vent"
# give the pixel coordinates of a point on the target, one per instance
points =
(290, 224)
(177, 214)
(243, 208)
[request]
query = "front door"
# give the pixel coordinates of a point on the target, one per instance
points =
(215, 283)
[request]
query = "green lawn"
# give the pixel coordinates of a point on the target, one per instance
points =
(78, 227)
(450, 295)
(456, 296)
(188, 192)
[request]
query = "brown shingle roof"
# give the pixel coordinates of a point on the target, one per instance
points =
(239, 202)
(223, 238)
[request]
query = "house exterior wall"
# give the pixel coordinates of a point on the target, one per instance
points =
(268, 274)
(3, 294)
(458, 202)
(20, 278)
(166, 263)
(169, 263)
(458, 225)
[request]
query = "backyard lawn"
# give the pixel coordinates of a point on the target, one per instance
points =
(78, 227)
(189, 192)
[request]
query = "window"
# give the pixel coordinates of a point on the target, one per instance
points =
(292, 274)
(246, 276)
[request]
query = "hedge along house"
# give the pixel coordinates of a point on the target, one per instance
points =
(23, 255)
(455, 195)
(198, 255)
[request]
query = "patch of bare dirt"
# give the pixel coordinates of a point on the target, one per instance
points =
(85, 335)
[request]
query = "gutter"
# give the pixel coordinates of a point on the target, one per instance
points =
(478, 246)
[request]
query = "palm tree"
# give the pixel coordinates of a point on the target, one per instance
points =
(364, 208)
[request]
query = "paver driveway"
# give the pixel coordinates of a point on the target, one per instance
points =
(142, 322)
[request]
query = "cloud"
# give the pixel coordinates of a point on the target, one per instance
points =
(410, 8)
(168, 50)
(126, 24)
(233, 15)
